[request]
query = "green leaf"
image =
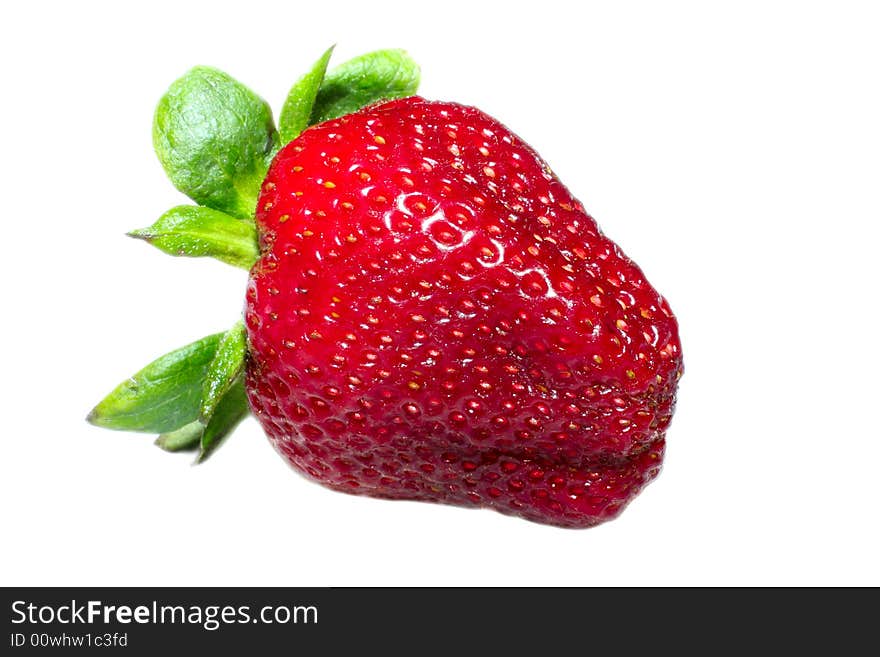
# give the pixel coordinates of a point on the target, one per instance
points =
(163, 396)
(215, 139)
(364, 80)
(231, 410)
(297, 108)
(227, 364)
(195, 231)
(185, 439)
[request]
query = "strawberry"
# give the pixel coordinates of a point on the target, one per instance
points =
(431, 315)
(435, 317)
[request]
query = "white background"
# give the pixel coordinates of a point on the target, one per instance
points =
(732, 149)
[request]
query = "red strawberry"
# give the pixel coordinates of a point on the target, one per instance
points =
(434, 317)
(430, 314)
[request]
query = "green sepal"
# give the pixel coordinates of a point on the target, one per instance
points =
(196, 231)
(215, 139)
(364, 80)
(231, 410)
(163, 396)
(185, 439)
(226, 366)
(297, 109)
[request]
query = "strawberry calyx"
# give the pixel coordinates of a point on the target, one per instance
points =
(216, 138)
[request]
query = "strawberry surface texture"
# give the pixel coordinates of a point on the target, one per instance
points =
(433, 316)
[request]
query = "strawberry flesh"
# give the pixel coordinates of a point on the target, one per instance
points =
(435, 317)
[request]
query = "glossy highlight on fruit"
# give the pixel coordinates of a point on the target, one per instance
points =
(433, 316)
